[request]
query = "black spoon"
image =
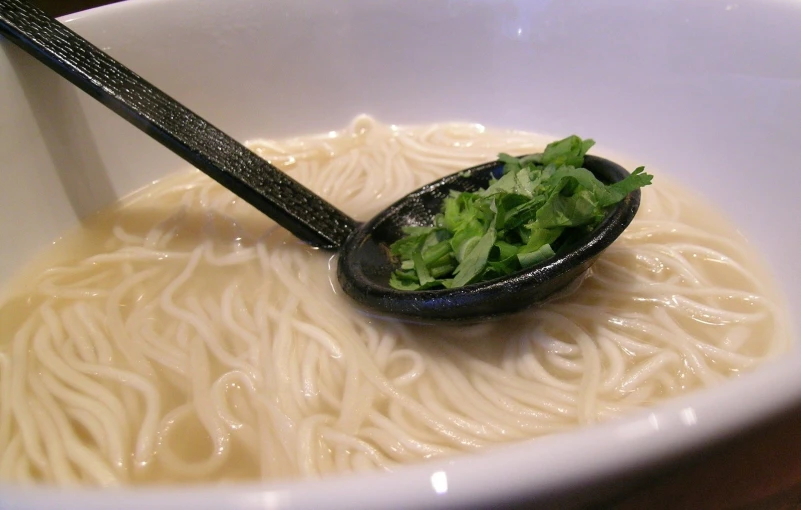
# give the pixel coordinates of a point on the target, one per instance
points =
(364, 265)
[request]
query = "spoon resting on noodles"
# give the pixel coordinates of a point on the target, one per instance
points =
(367, 266)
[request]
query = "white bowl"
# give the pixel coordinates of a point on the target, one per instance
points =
(709, 92)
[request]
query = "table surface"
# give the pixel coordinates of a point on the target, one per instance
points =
(757, 469)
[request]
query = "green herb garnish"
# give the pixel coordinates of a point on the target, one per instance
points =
(541, 203)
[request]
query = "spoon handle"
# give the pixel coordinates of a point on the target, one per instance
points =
(271, 191)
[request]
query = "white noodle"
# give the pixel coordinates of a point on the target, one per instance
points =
(195, 341)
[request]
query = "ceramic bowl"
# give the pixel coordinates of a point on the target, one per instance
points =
(708, 92)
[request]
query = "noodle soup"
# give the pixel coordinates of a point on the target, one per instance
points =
(181, 336)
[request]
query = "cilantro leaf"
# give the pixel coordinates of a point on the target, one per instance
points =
(476, 259)
(619, 190)
(531, 258)
(569, 211)
(569, 151)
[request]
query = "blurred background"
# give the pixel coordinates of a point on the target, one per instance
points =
(61, 7)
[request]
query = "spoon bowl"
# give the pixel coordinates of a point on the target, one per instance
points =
(365, 262)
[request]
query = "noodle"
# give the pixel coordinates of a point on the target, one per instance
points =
(182, 337)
